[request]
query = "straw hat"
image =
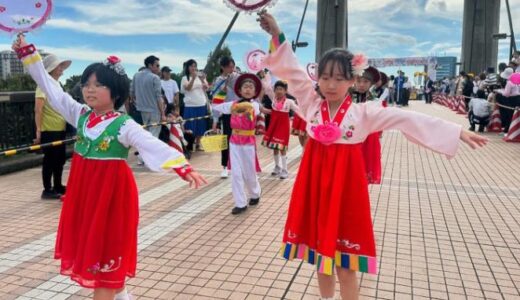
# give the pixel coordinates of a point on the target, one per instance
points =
(51, 62)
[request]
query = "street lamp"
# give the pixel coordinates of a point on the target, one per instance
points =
(299, 45)
(503, 36)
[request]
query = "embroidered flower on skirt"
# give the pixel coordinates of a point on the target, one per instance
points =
(107, 268)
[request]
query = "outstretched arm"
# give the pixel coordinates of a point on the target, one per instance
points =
(60, 101)
(283, 63)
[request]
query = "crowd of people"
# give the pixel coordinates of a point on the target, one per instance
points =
(339, 120)
(483, 91)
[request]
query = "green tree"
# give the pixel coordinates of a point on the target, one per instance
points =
(214, 66)
(71, 82)
(18, 82)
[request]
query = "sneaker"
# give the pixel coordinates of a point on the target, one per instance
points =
(140, 161)
(254, 201)
(48, 195)
(276, 171)
(60, 189)
(284, 174)
(238, 210)
(224, 174)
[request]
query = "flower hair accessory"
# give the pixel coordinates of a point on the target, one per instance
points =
(359, 64)
(114, 63)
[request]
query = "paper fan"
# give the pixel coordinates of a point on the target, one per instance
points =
(254, 60)
(23, 15)
(249, 6)
(312, 71)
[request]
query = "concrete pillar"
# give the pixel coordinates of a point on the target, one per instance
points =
(481, 21)
(331, 30)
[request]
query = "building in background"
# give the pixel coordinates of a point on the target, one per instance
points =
(10, 64)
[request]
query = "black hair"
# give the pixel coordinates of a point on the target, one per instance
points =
(226, 60)
(282, 84)
(150, 60)
(481, 94)
(337, 57)
(502, 66)
(462, 73)
(482, 76)
(186, 67)
(392, 77)
(119, 85)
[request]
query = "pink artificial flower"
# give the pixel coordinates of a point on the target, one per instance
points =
(326, 133)
(113, 59)
(359, 64)
(349, 133)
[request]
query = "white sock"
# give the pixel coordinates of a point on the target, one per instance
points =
(123, 295)
(277, 160)
(284, 162)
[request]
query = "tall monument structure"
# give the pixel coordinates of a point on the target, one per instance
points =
(481, 21)
(332, 26)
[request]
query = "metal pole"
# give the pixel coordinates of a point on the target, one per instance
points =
(300, 28)
(219, 45)
(513, 41)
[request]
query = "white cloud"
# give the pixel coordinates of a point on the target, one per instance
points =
(129, 59)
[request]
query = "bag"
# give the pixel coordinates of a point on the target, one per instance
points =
(213, 141)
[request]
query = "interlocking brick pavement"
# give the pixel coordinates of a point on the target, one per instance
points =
(445, 229)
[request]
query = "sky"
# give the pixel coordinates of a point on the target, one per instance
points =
(87, 31)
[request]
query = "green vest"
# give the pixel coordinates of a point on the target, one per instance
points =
(106, 146)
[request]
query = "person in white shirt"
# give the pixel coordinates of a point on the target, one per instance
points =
(171, 90)
(479, 111)
(194, 87)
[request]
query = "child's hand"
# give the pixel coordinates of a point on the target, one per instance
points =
(196, 180)
(268, 23)
(472, 139)
(19, 42)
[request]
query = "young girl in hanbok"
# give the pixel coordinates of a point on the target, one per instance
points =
(329, 222)
(278, 133)
(242, 143)
(372, 145)
(97, 234)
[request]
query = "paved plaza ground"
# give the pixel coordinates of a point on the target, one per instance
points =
(445, 229)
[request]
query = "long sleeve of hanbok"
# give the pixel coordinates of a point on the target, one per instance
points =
(430, 132)
(157, 155)
(60, 101)
(222, 109)
(283, 64)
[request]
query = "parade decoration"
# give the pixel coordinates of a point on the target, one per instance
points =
(254, 60)
(312, 71)
(249, 6)
(23, 16)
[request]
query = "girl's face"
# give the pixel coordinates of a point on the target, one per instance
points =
(362, 84)
(193, 69)
(96, 95)
(247, 90)
(279, 92)
(334, 87)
